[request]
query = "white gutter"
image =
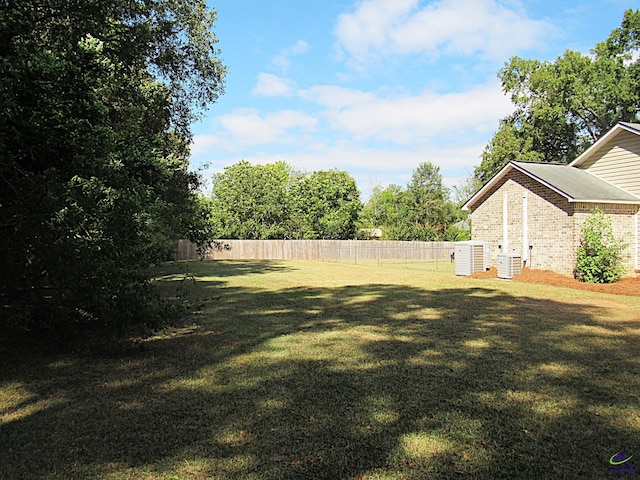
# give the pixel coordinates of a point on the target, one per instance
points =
(525, 229)
(637, 234)
(505, 223)
(614, 202)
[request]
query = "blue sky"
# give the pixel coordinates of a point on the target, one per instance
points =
(375, 87)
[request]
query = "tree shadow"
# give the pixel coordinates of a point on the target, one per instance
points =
(336, 383)
(226, 268)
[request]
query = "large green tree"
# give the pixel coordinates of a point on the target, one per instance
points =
(325, 204)
(386, 207)
(563, 107)
(274, 201)
(427, 197)
(252, 201)
(421, 211)
(97, 97)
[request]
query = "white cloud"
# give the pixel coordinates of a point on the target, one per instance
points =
(283, 59)
(272, 86)
(354, 156)
(369, 26)
(367, 165)
(335, 97)
(248, 127)
(203, 144)
(454, 27)
(410, 118)
(365, 133)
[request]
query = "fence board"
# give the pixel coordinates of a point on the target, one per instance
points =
(329, 250)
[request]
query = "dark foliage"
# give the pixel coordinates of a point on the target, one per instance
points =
(96, 101)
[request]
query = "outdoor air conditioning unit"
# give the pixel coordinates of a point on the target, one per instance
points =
(509, 265)
(471, 257)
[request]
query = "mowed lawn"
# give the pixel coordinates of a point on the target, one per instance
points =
(311, 370)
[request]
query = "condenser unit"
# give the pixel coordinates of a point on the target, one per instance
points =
(509, 265)
(471, 257)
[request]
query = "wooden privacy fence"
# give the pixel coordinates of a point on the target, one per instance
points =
(390, 252)
(358, 251)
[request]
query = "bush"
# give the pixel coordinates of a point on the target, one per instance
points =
(599, 257)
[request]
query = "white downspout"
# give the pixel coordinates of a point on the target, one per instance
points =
(637, 234)
(505, 223)
(525, 230)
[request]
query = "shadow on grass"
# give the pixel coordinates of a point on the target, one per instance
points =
(224, 268)
(367, 381)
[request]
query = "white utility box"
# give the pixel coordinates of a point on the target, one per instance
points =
(471, 257)
(509, 265)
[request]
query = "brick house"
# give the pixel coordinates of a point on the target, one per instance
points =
(536, 210)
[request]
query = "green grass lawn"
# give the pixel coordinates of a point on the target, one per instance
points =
(311, 370)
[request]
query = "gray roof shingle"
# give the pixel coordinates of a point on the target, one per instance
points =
(576, 184)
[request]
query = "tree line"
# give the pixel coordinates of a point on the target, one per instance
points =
(423, 210)
(275, 201)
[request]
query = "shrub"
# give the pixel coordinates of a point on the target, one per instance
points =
(599, 258)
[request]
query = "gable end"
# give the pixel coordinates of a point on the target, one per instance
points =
(616, 160)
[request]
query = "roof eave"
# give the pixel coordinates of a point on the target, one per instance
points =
(611, 133)
(487, 186)
(596, 200)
